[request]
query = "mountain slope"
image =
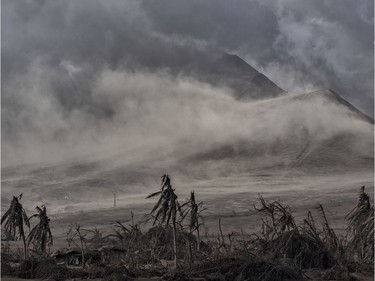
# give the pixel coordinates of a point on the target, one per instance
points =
(234, 73)
(333, 97)
(316, 130)
(311, 133)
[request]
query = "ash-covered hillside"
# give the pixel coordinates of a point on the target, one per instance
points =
(216, 117)
(197, 131)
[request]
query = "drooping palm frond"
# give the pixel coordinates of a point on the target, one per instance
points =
(153, 194)
(124, 232)
(165, 210)
(194, 210)
(41, 234)
(360, 213)
(167, 206)
(329, 237)
(278, 218)
(165, 181)
(14, 218)
(361, 228)
(311, 230)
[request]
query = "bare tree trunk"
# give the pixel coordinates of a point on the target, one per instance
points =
(188, 247)
(82, 248)
(198, 240)
(24, 246)
(221, 234)
(175, 244)
(83, 255)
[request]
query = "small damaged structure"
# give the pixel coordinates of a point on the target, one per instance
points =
(74, 257)
(112, 253)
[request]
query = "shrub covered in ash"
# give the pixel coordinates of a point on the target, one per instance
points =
(244, 269)
(159, 239)
(300, 249)
(175, 276)
(361, 229)
(109, 271)
(6, 259)
(47, 269)
(6, 269)
(27, 269)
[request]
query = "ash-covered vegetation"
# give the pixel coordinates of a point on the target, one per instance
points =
(175, 249)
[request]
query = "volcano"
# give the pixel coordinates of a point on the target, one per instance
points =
(259, 129)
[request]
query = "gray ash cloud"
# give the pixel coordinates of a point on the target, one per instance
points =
(55, 53)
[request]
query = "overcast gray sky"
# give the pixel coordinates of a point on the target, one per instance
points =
(300, 45)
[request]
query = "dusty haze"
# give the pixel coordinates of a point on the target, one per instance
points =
(155, 111)
(102, 96)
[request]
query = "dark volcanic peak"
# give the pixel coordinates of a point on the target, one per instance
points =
(261, 87)
(236, 64)
(234, 73)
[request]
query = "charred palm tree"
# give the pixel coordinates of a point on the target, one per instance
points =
(165, 210)
(40, 235)
(14, 219)
(194, 210)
